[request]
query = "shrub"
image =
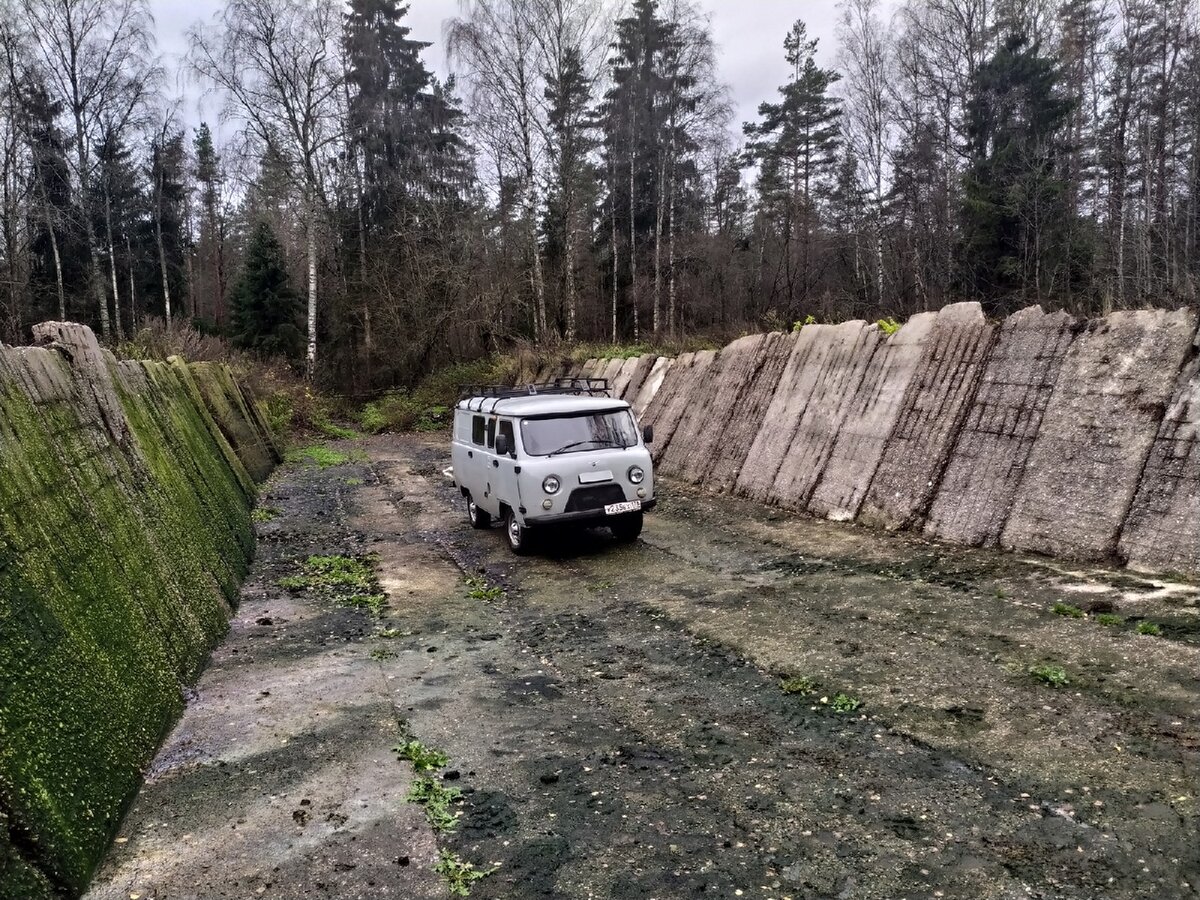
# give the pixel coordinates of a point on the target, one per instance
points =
(1149, 628)
(1055, 676)
(888, 326)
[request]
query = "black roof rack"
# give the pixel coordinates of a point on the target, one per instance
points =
(591, 387)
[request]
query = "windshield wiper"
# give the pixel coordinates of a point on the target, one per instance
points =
(574, 444)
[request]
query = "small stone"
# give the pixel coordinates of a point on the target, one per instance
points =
(549, 778)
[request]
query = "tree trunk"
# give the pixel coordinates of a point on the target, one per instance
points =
(133, 316)
(112, 263)
(615, 256)
(162, 251)
(89, 230)
(658, 236)
(310, 366)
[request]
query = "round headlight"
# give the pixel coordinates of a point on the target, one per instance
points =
(636, 475)
(551, 484)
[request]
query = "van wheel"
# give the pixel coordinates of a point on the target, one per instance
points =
(519, 538)
(626, 528)
(477, 517)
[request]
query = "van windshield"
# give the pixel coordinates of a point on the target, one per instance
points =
(576, 434)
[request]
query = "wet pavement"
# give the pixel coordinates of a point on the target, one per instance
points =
(615, 719)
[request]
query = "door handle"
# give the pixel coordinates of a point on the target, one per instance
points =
(495, 463)
(470, 454)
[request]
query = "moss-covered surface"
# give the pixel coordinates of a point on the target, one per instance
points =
(239, 418)
(122, 545)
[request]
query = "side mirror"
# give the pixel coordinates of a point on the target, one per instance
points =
(648, 434)
(502, 447)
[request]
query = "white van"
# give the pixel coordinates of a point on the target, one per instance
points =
(551, 455)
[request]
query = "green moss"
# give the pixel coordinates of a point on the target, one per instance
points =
(122, 545)
(321, 457)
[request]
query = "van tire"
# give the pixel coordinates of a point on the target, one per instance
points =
(479, 518)
(627, 528)
(519, 538)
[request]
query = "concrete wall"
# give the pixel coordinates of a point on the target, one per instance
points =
(124, 534)
(1038, 433)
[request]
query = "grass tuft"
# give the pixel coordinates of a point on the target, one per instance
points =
(798, 684)
(262, 514)
(1149, 628)
(458, 874)
(1109, 619)
(1055, 676)
(320, 456)
(423, 759)
(844, 703)
(1066, 609)
(438, 802)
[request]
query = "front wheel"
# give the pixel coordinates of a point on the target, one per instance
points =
(626, 528)
(478, 517)
(519, 538)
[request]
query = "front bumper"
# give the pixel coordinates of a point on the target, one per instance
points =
(584, 517)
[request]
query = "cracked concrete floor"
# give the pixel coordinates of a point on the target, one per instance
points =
(615, 719)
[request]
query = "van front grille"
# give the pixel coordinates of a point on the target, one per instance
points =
(599, 496)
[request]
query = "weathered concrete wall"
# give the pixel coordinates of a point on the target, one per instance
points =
(869, 420)
(986, 464)
(706, 420)
(1162, 530)
(851, 347)
(731, 449)
(651, 385)
(686, 384)
(1097, 432)
(124, 533)
(937, 399)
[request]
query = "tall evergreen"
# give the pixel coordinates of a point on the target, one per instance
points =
(210, 248)
(795, 143)
(267, 311)
(1016, 244)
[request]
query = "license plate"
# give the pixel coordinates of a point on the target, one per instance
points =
(615, 509)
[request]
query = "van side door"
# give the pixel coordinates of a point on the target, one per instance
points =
(504, 467)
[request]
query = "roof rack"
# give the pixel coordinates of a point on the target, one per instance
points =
(591, 387)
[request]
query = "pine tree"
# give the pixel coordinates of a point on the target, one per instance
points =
(211, 243)
(1016, 210)
(796, 145)
(266, 309)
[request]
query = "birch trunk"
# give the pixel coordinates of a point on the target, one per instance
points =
(112, 263)
(311, 226)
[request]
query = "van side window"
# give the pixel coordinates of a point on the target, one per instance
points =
(491, 433)
(506, 429)
(477, 430)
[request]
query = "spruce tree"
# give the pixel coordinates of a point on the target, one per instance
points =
(266, 310)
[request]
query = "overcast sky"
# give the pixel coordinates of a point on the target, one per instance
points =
(749, 35)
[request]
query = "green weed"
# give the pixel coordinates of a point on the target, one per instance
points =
(262, 514)
(337, 432)
(1149, 628)
(381, 653)
(1066, 609)
(798, 684)
(423, 759)
(1109, 619)
(438, 802)
(458, 874)
(1055, 676)
(347, 580)
(479, 589)
(319, 456)
(354, 482)
(888, 326)
(808, 320)
(389, 633)
(844, 703)
(373, 603)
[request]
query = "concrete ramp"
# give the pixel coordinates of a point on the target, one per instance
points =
(851, 347)
(637, 376)
(668, 384)
(610, 369)
(748, 413)
(1097, 434)
(937, 400)
(651, 384)
(620, 382)
(692, 453)
(1162, 530)
(869, 422)
(985, 467)
(767, 451)
(688, 386)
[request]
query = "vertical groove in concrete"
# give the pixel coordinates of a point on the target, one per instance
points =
(1162, 530)
(687, 385)
(985, 466)
(869, 421)
(668, 385)
(852, 345)
(1097, 434)
(708, 421)
(637, 376)
(746, 421)
(934, 406)
(621, 380)
(770, 445)
(609, 370)
(651, 385)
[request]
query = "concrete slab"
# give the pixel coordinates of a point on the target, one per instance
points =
(668, 384)
(730, 452)
(650, 386)
(935, 404)
(989, 457)
(851, 347)
(690, 388)
(869, 422)
(1097, 433)
(1162, 530)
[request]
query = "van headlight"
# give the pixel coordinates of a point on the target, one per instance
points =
(636, 474)
(551, 484)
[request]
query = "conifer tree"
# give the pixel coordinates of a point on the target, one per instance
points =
(266, 309)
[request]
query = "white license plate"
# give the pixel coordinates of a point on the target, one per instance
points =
(615, 509)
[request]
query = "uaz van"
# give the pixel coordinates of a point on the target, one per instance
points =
(551, 455)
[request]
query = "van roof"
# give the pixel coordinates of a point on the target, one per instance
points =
(541, 405)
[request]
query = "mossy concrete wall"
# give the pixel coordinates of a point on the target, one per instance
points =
(1041, 433)
(125, 531)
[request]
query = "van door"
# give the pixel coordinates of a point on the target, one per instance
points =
(479, 468)
(504, 468)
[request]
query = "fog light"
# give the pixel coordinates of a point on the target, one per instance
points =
(641, 493)
(546, 504)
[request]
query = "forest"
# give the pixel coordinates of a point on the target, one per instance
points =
(581, 176)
